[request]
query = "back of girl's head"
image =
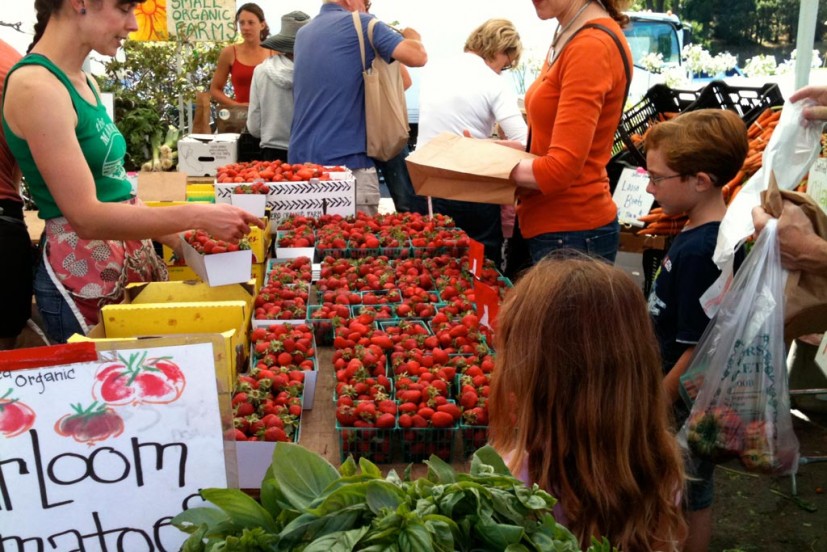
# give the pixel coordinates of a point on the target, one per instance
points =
(713, 141)
(256, 10)
(577, 388)
(44, 9)
(493, 37)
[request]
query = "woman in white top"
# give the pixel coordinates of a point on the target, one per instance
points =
(468, 95)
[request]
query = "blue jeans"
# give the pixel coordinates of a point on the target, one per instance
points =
(601, 242)
(58, 319)
(395, 174)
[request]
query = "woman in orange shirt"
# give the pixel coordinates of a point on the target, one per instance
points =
(239, 60)
(573, 110)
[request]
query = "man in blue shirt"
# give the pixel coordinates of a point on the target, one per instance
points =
(329, 95)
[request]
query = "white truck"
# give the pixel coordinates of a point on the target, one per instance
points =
(653, 33)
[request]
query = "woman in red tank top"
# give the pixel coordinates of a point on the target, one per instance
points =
(238, 61)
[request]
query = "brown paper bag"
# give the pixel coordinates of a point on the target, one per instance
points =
(201, 120)
(805, 311)
(467, 169)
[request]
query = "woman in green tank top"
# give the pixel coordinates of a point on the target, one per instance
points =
(71, 154)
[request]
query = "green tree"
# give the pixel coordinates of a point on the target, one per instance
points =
(147, 85)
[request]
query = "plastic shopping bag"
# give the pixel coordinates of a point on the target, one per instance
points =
(794, 146)
(738, 375)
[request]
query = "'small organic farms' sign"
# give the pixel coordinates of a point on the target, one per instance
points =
(101, 455)
(195, 20)
(202, 20)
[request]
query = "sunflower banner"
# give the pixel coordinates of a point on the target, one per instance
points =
(189, 20)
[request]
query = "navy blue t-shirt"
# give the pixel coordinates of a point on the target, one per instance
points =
(685, 274)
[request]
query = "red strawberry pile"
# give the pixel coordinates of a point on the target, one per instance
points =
(272, 171)
(302, 236)
(205, 244)
(255, 188)
(291, 272)
(267, 403)
(366, 427)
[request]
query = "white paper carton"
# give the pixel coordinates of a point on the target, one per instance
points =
(202, 154)
(219, 269)
(252, 203)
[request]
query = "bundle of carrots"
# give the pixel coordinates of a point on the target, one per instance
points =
(758, 136)
(659, 223)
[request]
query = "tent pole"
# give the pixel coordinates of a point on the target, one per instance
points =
(807, 14)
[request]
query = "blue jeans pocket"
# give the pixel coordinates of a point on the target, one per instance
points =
(58, 319)
(604, 245)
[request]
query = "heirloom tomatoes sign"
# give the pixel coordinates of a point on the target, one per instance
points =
(100, 455)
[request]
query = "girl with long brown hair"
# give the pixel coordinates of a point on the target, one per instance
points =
(577, 405)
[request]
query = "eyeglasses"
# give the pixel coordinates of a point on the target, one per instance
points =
(510, 65)
(655, 179)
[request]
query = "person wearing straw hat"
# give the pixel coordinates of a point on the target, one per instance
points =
(271, 92)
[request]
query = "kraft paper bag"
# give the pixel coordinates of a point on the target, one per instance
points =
(805, 311)
(201, 120)
(467, 169)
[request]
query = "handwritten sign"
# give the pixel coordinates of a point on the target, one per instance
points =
(631, 197)
(202, 20)
(817, 183)
(101, 455)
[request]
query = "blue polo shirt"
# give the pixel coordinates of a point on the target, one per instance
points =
(328, 92)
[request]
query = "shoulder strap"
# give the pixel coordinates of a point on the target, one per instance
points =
(357, 22)
(626, 65)
(621, 132)
(371, 25)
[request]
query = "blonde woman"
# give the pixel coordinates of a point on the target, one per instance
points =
(468, 94)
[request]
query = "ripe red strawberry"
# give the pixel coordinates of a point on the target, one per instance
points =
(275, 434)
(442, 419)
(386, 420)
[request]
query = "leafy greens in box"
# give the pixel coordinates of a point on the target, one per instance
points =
(308, 505)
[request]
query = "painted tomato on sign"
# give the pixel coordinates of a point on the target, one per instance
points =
(15, 416)
(90, 425)
(138, 380)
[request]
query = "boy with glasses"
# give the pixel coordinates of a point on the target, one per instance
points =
(689, 159)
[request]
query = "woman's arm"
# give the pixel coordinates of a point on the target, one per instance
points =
(51, 137)
(219, 78)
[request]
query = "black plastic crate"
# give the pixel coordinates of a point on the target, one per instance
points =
(748, 102)
(659, 99)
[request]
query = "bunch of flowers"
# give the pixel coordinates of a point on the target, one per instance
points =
(761, 66)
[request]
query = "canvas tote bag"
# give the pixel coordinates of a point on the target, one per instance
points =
(386, 114)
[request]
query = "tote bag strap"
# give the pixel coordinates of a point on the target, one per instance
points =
(357, 22)
(371, 25)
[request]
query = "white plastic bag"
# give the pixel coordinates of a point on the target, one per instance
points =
(794, 146)
(738, 374)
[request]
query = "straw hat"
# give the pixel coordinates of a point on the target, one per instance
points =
(290, 24)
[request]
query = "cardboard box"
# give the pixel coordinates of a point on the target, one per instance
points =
(161, 186)
(312, 199)
(257, 274)
(202, 154)
(228, 318)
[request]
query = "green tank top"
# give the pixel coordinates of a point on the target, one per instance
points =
(101, 142)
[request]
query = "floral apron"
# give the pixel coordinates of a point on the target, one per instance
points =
(93, 273)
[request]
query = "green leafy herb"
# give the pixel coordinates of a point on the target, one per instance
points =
(308, 505)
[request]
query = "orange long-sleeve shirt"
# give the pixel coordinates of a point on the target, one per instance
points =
(573, 111)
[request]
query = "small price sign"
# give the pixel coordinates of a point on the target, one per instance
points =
(631, 197)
